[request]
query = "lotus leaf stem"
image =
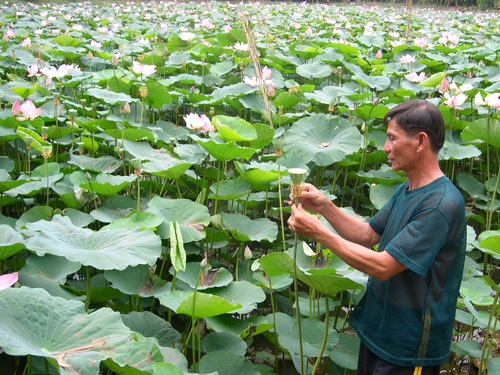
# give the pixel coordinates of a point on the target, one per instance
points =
(325, 336)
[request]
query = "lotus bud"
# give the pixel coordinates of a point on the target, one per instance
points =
(363, 127)
(87, 176)
(212, 111)
(204, 262)
(16, 108)
(297, 175)
(379, 54)
(278, 146)
(89, 55)
(376, 101)
(114, 60)
(126, 108)
(28, 139)
(444, 86)
(247, 254)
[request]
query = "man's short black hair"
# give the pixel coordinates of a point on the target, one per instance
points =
(419, 116)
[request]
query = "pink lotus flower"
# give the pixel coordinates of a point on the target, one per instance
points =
(243, 47)
(455, 101)
(444, 86)
(32, 70)
(60, 72)
(379, 54)
(8, 280)
(206, 23)
(266, 73)
(420, 42)
(195, 122)
(250, 81)
(16, 107)
(407, 59)
(141, 69)
(26, 42)
(491, 100)
(270, 90)
(414, 77)
(29, 111)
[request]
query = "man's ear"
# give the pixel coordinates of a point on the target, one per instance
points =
(423, 141)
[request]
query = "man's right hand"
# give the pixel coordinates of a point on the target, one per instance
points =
(311, 199)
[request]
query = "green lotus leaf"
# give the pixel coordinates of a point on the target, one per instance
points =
(314, 70)
(206, 305)
(135, 220)
(227, 363)
(265, 135)
(151, 325)
(34, 214)
(108, 185)
(33, 322)
(454, 151)
(51, 286)
(329, 94)
(478, 129)
(67, 40)
(384, 176)
(230, 189)
(236, 90)
(177, 252)
(255, 175)
(110, 97)
(105, 164)
(312, 335)
(192, 217)
(477, 291)
(377, 83)
(165, 368)
(277, 282)
(322, 140)
(224, 341)
(222, 68)
(489, 242)
(190, 276)
(381, 194)
(473, 187)
(243, 293)
(345, 48)
(6, 182)
(50, 266)
(131, 134)
(11, 242)
(157, 95)
(7, 163)
(234, 128)
(433, 80)
(138, 281)
(244, 328)
(105, 250)
(345, 353)
(286, 100)
(245, 229)
(78, 218)
(225, 151)
(367, 111)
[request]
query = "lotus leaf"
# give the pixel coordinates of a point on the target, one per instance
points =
(138, 281)
(245, 229)
(105, 250)
(192, 217)
(322, 140)
(11, 242)
(151, 325)
(105, 164)
(190, 276)
(243, 293)
(227, 363)
(224, 341)
(478, 129)
(225, 151)
(345, 353)
(230, 189)
(51, 266)
(33, 322)
(381, 194)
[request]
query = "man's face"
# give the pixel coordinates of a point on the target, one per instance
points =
(401, 148)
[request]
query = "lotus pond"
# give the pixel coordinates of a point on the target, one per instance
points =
(145, 150)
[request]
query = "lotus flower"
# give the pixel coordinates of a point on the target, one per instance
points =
(141, 69)
(455, 101)
(28, 111)
(195, 122)
(8, 280)
(33, 70)
(414, 77)
(491, 100)
(407, 59)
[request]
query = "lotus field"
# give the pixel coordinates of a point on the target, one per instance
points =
(146, 151)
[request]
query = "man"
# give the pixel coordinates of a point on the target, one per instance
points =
(405, 319)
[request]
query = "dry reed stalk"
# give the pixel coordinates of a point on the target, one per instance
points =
(255, 59)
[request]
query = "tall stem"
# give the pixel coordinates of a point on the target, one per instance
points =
(325, 336)
(296, 290)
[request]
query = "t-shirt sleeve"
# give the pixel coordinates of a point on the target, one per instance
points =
(417, 245)
(379, 221)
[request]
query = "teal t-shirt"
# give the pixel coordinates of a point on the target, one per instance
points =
(408, 319)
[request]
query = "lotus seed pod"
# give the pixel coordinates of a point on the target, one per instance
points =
(136, 163)
(297, 175)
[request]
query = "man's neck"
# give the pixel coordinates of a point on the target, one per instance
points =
(424, 176)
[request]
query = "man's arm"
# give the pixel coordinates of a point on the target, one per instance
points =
(380, 265)
(347, 227)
